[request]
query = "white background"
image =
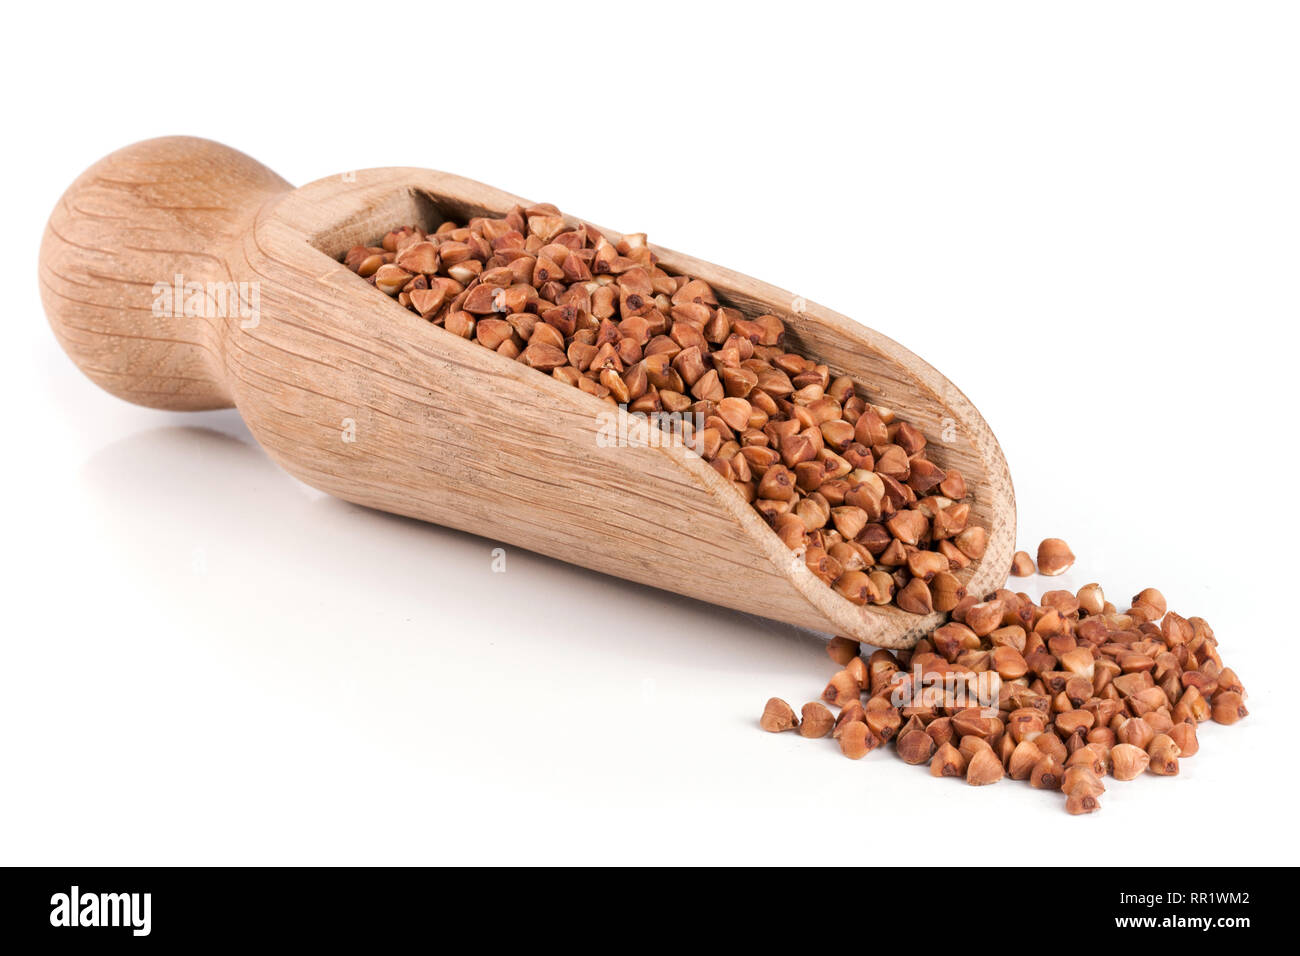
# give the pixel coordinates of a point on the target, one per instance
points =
(1087, 216)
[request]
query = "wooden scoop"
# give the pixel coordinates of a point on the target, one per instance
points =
(361, 398)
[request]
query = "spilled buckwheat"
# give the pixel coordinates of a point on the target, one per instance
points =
(844, 483)
(1061, 692)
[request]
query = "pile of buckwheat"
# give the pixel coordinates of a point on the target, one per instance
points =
(1060, 692)
(844, 483)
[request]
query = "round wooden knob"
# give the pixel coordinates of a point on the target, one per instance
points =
(134, 268)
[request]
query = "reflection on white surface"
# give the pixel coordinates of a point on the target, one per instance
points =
(232, 625)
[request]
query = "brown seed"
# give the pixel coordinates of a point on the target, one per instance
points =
(1022, 565)
(984, 618)
(953, 485)
(870, 429)
(851, 714)
(971, 720)
(915, 597)
(946, 590)
(489, 332)
(1184, 735)
(482, 300)
(1175, 629)
(842, 689)
(817, 720)
(856, 587)
(1052, 745)
(463, 324)
(849, 521)
(1013, 635)
(1046, 774)
(1228, 707)
(1081, 801)
(1135, 731)
(1009, 663)
(882, 663)
(842, 650)
(1164, 755)
(882, 717)
(947, 762)
(1079, 661)
(794, 449)
(858, 668)
(390, 279)
(855, 741)
(954, 556)
(419, 257)
(1082, 778)
(1026, 723)
(983, 768)
(1159, 721)
(735, 412)
(1153, 599)
(1054, 557)
(568, 375)
(1024, 758)
(1091, 756)
(1062, 602)
(972, 542)
(778, 716)
(893, 462)
(1128, 762)
(926, 564)
(940, 731)
(1191, 706)
(617, 387)
(880, 587)
(837, 434)
(893, 556)
(777, 484)
(1078, 690)
(1228, 680)
(543, 357)
(915, 746)
(971, 745)
(429, 301)
(908, 526)
(1091, 599)
(954, 638)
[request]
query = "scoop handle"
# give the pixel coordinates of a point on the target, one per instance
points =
(135, 268)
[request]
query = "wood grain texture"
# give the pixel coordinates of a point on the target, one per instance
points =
(140, 216)
(445, 430)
